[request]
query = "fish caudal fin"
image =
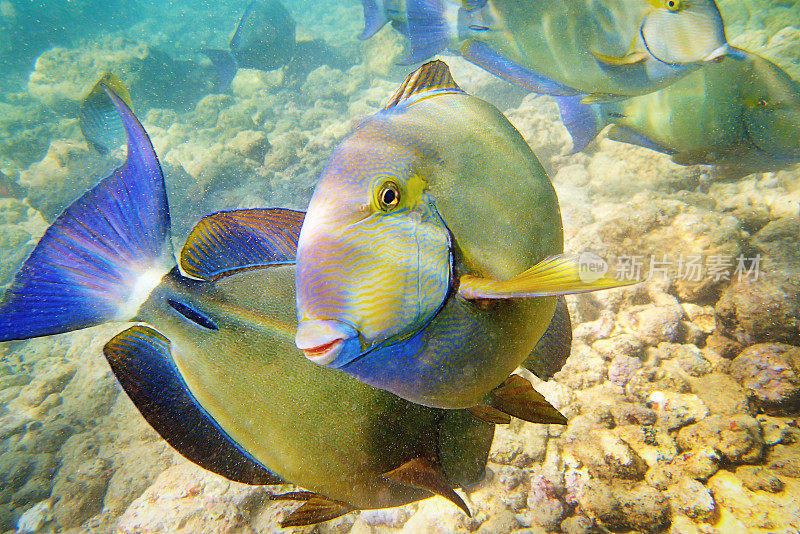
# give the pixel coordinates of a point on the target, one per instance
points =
(516, 397)
(424, 474)
(98, 119)
(225, 66)
(142, 362)
(102, 256)
(315, 509)
(581, 120)
(428, 32)
(553, 348)
(556, 275)
(374, 19)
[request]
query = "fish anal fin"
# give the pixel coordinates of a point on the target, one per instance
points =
(553, 348)
(315, 509)
(517, 397)
(141, 359)
(231, 241)
(431, 78)
(562, 274)
(424, 474)
(490, 415)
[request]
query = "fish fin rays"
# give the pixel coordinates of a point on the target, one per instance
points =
(490, 415)
(232, 241)
(431, 78)
(580, 120)
(374, 19)
(98, 119)
(632, 57)
(553, 348)
(516, 397)
(555, 275)
(424, 474)
(482, 55)
(624, 134)
(141, 359)
(103, 254)
(428, 33)
(315, 508)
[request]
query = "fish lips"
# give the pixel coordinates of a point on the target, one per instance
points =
(328, 343)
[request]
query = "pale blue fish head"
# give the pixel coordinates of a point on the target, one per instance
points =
(373, 257)
(684, 31)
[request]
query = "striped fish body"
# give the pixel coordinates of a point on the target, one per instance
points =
(315, 427)
(473, 199)
(565, 41)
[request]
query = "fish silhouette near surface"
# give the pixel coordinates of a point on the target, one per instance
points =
(602, 49)
(210, 361)
(431, 258)
(265, 40)
(733, 114)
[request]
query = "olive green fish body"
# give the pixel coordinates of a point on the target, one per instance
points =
(315, 427)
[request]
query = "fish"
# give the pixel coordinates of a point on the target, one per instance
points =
(209, 359)
(97, 117)
(265, 40)
(430, 260)
(732, 114)
(601, 49)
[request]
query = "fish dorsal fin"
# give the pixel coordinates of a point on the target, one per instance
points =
(231, 241)
(315, 508)
(517, 397)
(98, 119)
(430, 79)
(141, 359)
(423, 473)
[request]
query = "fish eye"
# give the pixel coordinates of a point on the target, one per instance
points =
(762, 103)
(388, 196)
(674, 5)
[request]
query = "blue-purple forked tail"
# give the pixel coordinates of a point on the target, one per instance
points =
(581, 120)
(102, 256)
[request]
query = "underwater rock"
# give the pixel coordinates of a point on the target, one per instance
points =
(776, 430)
(653, 324)
(771, 371)
(762, 310)
(722, 394)
(756, 478)
(250, 144)
(652, 443)
(519, 444)
(619, 345)
(784, 459)
(606, 456)
(35, 517)
(621, 506)
(676, 410)
(737, 438)
(545, 508)
(690, 497)
(21, 226)
(622, 368)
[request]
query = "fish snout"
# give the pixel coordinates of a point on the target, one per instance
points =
(328, 343)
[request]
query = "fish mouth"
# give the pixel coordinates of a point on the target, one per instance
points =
(328, 343)
(325, 353)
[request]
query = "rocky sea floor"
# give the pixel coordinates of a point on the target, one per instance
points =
(682, 393)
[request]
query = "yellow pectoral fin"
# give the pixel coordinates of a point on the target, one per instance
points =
(631, 58)
(555, 275)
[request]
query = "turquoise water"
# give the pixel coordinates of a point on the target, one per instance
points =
(682, 393)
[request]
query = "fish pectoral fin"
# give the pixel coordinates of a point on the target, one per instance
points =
(490, 415)
(553, 348)
(424, 474)
(228, 242)
(517, 397)
(141, 359)
(561, 274)
(630, 58)
(315, 509)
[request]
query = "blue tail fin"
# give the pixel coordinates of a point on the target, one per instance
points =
(374, 19)
(428, 33)
(102, 256)
(224, 64)
(581, 120)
